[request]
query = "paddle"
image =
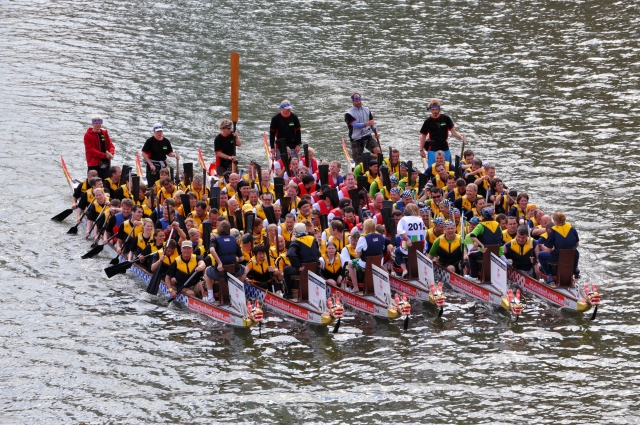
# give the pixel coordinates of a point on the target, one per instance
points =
(64, 214)
(177, 170)
(186, 204)
(305, 149)
(409, 174)
(187, 169)
(95, 222)
(123, 267)
(323, 170)
(234, 59)
(406, 323)
(135, 188)
(185, 285)
(337, 326)
(154, 283)
(74, 229)
(259, 177)
(96, 249)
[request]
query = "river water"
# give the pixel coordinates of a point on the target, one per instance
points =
(548, 91)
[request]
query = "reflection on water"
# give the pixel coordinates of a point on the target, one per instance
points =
(548, 91)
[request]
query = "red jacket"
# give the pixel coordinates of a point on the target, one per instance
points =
(92, 147)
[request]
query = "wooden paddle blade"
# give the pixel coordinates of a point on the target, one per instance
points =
(118, 268)
(187, 173)
(235, 85)
(93, 252)
(214, 197)
(336, 327)
(154, 283)
(124, 176)
(423, 179)
(135, 188)
(324, 174)
(64, 214)
(366, 157)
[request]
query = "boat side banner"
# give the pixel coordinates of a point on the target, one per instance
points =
(288, 307)
(469, 288)
(499, 274)
(355, 302)
(425, 270)
(207, 310)
(317, 292)
(381, 284)
(236, 295)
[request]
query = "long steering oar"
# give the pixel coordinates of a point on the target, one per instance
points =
(74, 229)
(64, 214)
(96, 249)
(123, 267)
(185, 285)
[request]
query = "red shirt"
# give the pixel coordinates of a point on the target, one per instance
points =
(92, 146)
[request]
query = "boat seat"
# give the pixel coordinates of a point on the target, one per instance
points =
(485, 263)
(565, 267)
(412, 259)
(368, 274)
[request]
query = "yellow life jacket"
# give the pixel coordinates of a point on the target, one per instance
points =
(332, 266)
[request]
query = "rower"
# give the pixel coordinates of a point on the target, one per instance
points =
(82, 188)
(100, 205)
(303, 249)
(332, 270)
(157, 244)
(369, 245)
(166, 257)
(411, 228)
(563, 236)
(447, 249)
(143, 240)
(260, 270)
(488, 232)
(130, 229)
(181, 270)
(112, 183)
(521, 252)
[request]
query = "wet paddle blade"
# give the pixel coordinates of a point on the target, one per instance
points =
(117, 269)
(73, 230)
(93, 252)
(406, 323)
(440, 312)
(115, 261)
(595, 311)
(64, 214)
(154, 283)
(336, 327)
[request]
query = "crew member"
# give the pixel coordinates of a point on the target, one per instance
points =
(98, 148)
(435, 132)
(285, 128)
(303, 249)
(225, 145)
(182, 269)
(563, 236)
(155, 151)
(362, 128)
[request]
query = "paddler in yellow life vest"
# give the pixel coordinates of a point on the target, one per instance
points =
(82, 188)
(196, 242)
(87, 197)
(143, 239)
(199, 212)
(232, 186)
(251, 176)
(519, 210)
(521, 252)
(484, 181)
(510, 232)
(166, 257)
(468, 201)
(436, 231)
(387, 194)
(303, 249)
(157, 244)
(181, 270)
(167, 191)
(377, 186)
(441, 176)
(331, 265)
(265, 185)
(112, 183)
(199, 189)
(286, 228)
(540, 232)
(164, 174)
(447, 249)
(440, 160)
(98, 212)
(280, 260)
(304, 211)
(404, 183)
(393, 163)
(261, 269)
(459, 191)
(488, 232)
(129, 230)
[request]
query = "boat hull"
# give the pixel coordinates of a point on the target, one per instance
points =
(481, 292)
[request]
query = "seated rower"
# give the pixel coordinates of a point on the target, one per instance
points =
(87, 197)
(563, 236)
(487, 232)
(331, 267)
(199, 188)
(99, 205)
(335, 179)
(411, 228)
(459, 191)
(369, 245)
(166, 257)
(143, 239)
(129, 231)
(246, 247)
(156, 245)
(510, 232)
(227, 250)
(260, 269)
(182, 269)
(432, 172)
(112, 183)
(82, 188)
(519, 210)
(521, 252)
(286, 229)
(393, 163)
(448, 249)
(303, 249)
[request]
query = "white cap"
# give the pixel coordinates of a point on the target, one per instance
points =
(157, 127)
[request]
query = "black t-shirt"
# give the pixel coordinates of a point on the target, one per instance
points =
(224, 145)
(285, 128)
(437, 131)
(157, 149)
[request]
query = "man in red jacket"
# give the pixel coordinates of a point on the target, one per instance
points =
(98, 148)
